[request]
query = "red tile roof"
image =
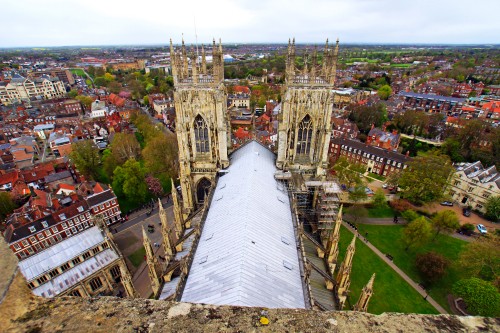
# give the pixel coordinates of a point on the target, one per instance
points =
(66, 187)
(10, 177)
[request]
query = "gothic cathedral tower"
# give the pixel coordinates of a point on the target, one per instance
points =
(304, 130)
(201, 121)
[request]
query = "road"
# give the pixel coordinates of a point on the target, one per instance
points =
(128, 237)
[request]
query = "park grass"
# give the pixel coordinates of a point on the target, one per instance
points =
(391, 293)
(137, 257)
(401, 65)
(78, 71)
(376, 176)
(388, 239)
(380, 212)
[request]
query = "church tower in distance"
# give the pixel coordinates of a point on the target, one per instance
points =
(201, 121)
(304, 130)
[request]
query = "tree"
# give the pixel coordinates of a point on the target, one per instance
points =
(129, 181)
(7, 205)
(348, 173)
(357, 193)
(445, 221)
(416, 232)
(425, 178)
(114, 87)
(400, 205)
(493, 208)
(410, 215)
(378, 199)
(85, 155)
(154, 186)
(161, 155)
(357, 212)
(85, 100)
(367, 115)
(481, 258)
(481, 297)
(124, 147)
(72, 93)
(431, 266)
(384, 92)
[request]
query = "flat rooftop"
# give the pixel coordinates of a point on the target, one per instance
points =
(247, 254)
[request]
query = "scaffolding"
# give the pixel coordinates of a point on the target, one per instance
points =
(327, 205)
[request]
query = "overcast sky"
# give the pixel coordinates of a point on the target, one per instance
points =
(105, 22)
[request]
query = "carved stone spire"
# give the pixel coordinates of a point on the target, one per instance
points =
(333, 72)
(344, 274)
(314, 63)
(194, 67)
(153, 264)
(366, 294)
(178, 218)
(332, 247)
(290, 61)
(165, 232)
(173, 61)
(126, 280)
(306, 59)
(203, 61)
(325, 64)
(185, 65)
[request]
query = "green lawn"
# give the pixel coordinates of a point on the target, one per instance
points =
(387, 238)
(380, 212)
(78, 71)
(137, 257)
(391, 293)
(376, 176)
(401, 65)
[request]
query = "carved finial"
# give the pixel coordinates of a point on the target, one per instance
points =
(203, 61)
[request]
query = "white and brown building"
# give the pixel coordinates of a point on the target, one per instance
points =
(472, 185)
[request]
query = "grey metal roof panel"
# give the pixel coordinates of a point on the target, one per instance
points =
(76, 274)
(239, 259)
(60, 253)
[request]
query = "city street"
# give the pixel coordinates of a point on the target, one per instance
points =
(128, 237)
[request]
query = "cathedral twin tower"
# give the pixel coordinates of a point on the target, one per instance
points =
(203, 125)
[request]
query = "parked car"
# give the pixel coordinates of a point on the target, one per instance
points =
(447, 203)
(482, 229)
(466, 212)
(384, 185)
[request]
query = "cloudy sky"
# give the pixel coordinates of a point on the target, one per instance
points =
(105, 22)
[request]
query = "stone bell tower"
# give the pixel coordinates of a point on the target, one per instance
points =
(202, 123)
(304, 129)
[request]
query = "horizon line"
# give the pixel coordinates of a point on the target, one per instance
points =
(497, 44)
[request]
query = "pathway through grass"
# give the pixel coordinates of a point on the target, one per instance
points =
(391, 292)
(387, 238)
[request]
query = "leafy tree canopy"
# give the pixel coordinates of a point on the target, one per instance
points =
(85, 155)
(425, 178)
(481, 297)
(416, 232)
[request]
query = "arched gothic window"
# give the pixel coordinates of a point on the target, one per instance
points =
(201, 135)
(203, 189)
(305, 135)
